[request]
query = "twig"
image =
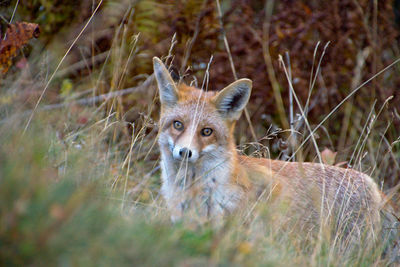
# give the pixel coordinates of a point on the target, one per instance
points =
(104, 97)
(92, 100)
(293, 137)
(82, 64)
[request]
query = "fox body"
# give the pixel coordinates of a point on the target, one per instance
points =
(201, 167)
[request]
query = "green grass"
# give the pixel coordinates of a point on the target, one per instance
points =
(53, 215)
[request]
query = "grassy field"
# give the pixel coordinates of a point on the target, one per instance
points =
(79, 175)
(80, 200)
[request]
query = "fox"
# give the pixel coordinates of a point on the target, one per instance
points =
(202, 168)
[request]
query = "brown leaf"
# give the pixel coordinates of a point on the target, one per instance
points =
(17, 35)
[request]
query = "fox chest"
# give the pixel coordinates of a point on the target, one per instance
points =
(199, 191)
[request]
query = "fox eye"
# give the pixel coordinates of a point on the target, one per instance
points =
(206, 131)
(178, 125)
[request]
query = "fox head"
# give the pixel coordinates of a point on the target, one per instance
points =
(195, 123)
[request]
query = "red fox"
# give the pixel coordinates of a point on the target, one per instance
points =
(201, 167)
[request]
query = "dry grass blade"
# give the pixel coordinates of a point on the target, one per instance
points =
(269, 5)
(246, 112)
(345, 99)
(58, 66)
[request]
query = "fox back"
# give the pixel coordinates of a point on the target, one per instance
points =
(203, 174)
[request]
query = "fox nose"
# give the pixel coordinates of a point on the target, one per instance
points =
(185, 152)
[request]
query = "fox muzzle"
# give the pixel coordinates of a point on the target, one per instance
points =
(185, 153)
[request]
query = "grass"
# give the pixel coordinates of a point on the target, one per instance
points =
(58, 208)
(81, 195)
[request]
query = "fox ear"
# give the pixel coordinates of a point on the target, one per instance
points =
(166, 85)
(232, 99)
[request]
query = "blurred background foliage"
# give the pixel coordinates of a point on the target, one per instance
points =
(351, 39)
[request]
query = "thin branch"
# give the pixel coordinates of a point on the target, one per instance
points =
(104, 97)
(91, 100)
(73, 68)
